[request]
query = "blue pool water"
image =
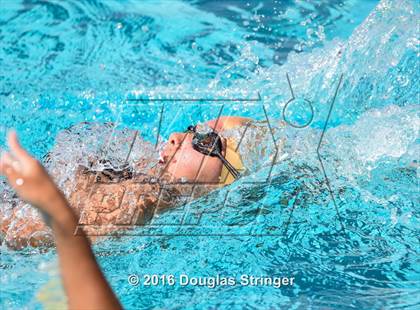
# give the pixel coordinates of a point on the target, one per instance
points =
(66, 62)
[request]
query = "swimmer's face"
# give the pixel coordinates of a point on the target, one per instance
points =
(182, 161)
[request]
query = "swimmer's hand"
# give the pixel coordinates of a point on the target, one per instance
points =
(28, 177)
(83, 281)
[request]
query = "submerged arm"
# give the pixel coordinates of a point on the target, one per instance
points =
(84, 283)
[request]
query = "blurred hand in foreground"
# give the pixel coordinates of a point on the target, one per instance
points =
(28, 177)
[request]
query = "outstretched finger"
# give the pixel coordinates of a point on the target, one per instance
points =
(5, 161)
(18, 151)
(6, 167)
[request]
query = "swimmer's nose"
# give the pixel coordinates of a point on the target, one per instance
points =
(176, 138)
(162, 158)
(174, 141)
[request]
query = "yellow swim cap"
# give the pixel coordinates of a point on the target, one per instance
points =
(233, 157)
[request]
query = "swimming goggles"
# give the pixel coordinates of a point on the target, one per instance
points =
(210, 144)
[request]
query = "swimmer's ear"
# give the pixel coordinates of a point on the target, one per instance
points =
(17, 150)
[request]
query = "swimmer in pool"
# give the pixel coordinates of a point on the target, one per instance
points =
(103, 199)
(191, 156)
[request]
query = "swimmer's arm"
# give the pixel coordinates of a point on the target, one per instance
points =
(83, 280)
(84, 283)
(227, 122)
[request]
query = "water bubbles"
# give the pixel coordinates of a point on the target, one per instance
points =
(88, 94)
(305, 22)
(413, 43)
(321, 33)
(309, 32)
(298, 47)
(403, 80)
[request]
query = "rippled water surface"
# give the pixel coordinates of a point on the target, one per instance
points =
(350, 240)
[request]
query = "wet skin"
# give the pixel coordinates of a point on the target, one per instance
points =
(127, 202)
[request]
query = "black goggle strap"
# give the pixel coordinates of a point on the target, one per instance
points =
(229, 166)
